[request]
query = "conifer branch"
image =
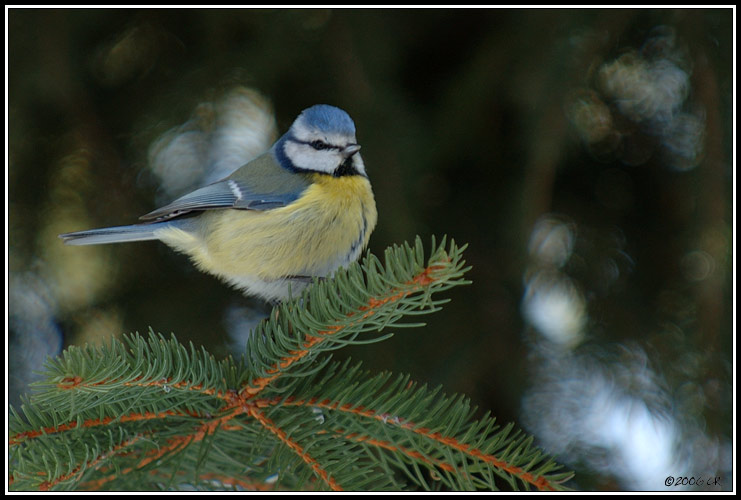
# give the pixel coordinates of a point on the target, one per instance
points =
(151, 413)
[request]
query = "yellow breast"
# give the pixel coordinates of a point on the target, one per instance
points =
(327, 227)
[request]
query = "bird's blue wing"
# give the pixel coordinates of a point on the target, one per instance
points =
(260, 185)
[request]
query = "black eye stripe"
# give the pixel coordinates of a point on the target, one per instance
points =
(319, 145)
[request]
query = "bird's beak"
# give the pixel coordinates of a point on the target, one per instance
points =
(350, 150)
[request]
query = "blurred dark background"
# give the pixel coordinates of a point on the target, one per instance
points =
(585, 155)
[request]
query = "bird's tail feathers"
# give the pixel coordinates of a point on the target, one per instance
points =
(118, 234)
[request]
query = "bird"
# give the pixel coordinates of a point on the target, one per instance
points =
(299, 211)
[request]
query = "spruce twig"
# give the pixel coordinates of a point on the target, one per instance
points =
(150, 413)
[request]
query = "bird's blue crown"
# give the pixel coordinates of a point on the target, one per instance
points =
(328, 119)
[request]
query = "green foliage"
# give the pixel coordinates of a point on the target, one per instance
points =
(150, 413)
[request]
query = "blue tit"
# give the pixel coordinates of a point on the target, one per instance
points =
(301, 210)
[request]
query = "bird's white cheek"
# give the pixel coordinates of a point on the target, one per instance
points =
(358, 163)
(306, 157)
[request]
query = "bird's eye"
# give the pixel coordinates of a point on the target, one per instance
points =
(319, 145)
